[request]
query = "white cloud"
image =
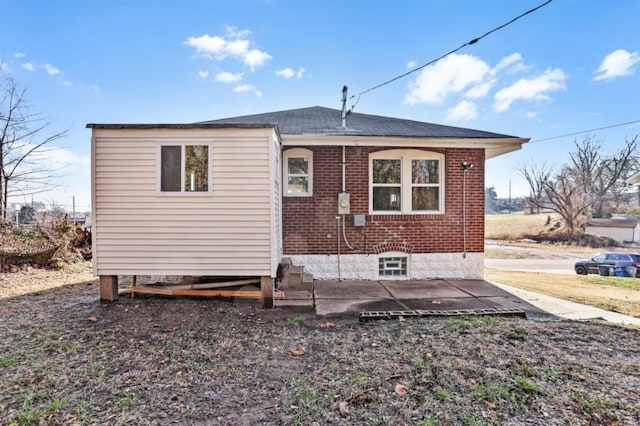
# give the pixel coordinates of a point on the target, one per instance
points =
(255, 58)
(203, 74)
(247, 88)
(227, 77)
(94, 88)
(29, 66)
(236, 33)
(512, 63)
(531, 114)
(411, 64)
(453, 74)
(235, 45)
(51, 70)
(537, 88)
(481, 90)
(464, 111)
(67, 83)
(286, 73)
(618, 63)
(19, 55)
(289, 73)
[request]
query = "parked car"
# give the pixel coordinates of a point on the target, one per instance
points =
(608, 261)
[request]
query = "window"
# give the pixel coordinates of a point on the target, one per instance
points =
(406, 182)
(392, 266)
(185, 168)
(298, 172)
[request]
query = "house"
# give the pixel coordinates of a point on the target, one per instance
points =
(347, 197)
(622, 229)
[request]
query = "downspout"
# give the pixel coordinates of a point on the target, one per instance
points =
(465, 168)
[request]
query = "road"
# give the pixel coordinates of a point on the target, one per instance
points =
(532, 259)
(550, 266)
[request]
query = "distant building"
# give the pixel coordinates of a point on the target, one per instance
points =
(623, 229)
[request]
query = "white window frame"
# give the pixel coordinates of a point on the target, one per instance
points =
(296, 153)
(406, 185)
(183, 144)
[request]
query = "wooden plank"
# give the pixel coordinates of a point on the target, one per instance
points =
(109, 288)
(214, 284)
(225, 293)
(148, 290)
(206, 293)
(267, 292)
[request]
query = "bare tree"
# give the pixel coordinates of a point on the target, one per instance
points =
(537, 175)
(603, 177)
(565, 196)
(24, 142)
(590, 185)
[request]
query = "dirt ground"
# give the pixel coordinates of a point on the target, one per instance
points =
(66, 358)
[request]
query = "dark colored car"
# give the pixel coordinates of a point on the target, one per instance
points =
(612, 260)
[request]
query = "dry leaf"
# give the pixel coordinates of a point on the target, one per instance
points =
(93, 319)
(401, 389)
(344, 407)
(299, 351)
(328, 324)
(401, 318)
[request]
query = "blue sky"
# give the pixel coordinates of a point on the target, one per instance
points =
(572, 66)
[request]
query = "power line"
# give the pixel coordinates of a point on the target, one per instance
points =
(469, 43)
(586, 131)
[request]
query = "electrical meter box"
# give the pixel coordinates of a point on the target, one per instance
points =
(344, 203)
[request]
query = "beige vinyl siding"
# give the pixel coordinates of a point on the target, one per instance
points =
(140, 231)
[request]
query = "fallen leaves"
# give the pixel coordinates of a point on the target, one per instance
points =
(401, 389)
(93, 319)
(299, 351)
(328, 324)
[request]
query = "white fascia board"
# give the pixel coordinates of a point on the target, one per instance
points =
(499, 145)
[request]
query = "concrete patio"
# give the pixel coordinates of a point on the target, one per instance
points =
(331, 298)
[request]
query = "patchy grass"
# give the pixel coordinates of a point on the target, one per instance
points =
(615, 294)
(515, 226)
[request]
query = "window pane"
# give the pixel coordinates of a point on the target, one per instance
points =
(298, 185)
(298, 166)
(386, 171)
(170, 168)
(425, 198)
(386, 198)
(196, 177)
(425, 171)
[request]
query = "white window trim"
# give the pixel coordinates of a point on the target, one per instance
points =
(296, 153)
(182, 192)
(405, 156)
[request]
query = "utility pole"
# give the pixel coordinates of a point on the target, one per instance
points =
(509, 196)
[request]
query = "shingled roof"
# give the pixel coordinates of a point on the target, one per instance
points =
(320, 120)
(614, 222)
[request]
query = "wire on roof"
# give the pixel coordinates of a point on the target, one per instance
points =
(469, 43)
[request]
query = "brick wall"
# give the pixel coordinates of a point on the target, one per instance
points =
(310, 225)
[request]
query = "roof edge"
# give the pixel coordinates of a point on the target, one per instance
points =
(141, 126)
